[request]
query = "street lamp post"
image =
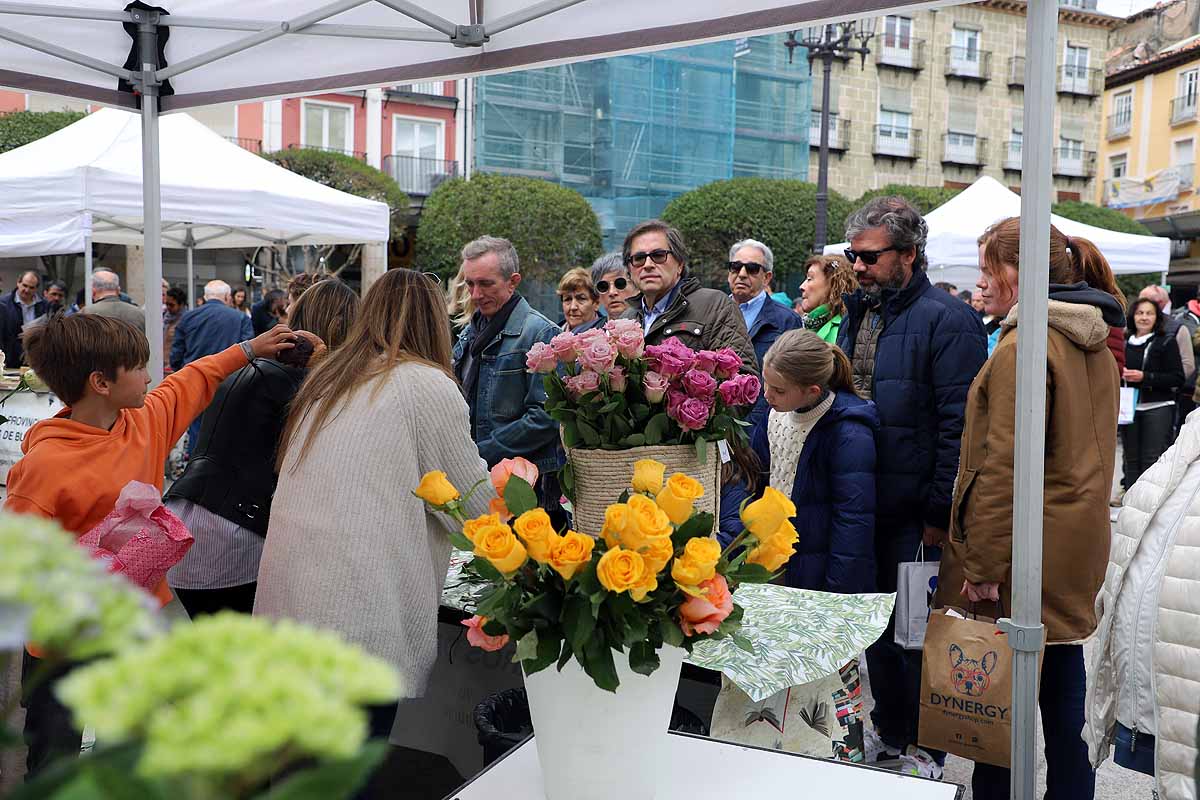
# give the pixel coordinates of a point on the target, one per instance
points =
(827, 43)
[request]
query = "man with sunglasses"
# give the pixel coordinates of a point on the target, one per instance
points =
(751, 266)
(611, 279)
(673, 303)
(915, 351)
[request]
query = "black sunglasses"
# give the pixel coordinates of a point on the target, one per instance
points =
(750, 267)
(619, 284)
(639, 259)
(869, 257)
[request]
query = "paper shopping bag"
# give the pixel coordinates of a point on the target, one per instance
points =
(1129, 398)
(966, 688)
(916, 583)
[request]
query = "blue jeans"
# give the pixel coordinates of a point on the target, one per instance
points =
(1069, 774)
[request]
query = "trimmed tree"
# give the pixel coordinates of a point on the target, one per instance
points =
(925, 198)
(1113, 220)
(552, 227)
(19, 128)
(781, 213)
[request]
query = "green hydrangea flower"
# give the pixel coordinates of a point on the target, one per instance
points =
(233, 694)
(77, 608)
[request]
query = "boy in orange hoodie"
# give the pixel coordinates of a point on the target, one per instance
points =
(112, 432)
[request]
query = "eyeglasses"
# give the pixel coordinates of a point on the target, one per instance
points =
(639, 259)
(619, 284)
(750, 267)
(869, 257)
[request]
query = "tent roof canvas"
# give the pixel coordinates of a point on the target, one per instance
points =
(227, 196)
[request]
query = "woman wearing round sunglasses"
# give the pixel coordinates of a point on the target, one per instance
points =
(612, 282)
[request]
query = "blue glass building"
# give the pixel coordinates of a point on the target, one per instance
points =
(632, 132)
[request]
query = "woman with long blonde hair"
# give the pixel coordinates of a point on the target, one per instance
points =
(349, 547)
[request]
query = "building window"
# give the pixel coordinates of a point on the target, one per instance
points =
(1183, 158)
(895, 133)
(964, 55)
(416, 138)
(1118, 166)
(1122, 114)
(328, 127)
(1076, 61)
(1189, 87)
(897, 33)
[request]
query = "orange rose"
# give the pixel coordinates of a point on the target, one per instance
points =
(700, 615)
(513, 466)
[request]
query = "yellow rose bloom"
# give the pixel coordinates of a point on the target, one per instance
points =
(620, 570)
(537, 532)
(687, 572)
(616, 520)
(648, 476)
(647, 585)
(786, 537)
(646, 522)
(679, 496)
(472, 527)
(769, 556)
(764, 516)
(498, 545)
(435, 489)
(703, 550)
(570, 553)
(657, 553)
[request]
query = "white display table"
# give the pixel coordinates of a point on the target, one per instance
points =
(22, 410)
(697, 768)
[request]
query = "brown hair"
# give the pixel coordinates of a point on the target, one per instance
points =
(674, 240)
(65, 351)
(1071, 259)
(841, 279)
(576, 279)
(328, 309)
(402, 320)
(300, 283)
(805, 359)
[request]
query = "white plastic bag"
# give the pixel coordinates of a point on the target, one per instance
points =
(916, 583)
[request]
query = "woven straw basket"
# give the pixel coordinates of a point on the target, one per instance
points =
(602, 475)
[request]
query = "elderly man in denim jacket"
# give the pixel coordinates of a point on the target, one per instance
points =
(508, 414)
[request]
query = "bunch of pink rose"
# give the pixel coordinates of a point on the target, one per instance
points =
(692, 381)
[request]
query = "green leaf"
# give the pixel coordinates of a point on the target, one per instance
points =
(610, 406)
(60, 774)
(527, 647)
(640, 411)
(519, 496)
(672, 634)
(578, 621)
(546, 605)
(643, 658)
(459, 540)
(656, 429)
(698, 525)
(752, 573)
(743, 643)
(634, 440)
(598, 664)
(567, 652)
(555, 390)
(591, 436)
(483, 568)
(570, 434)
(636, 628)
(333, 779)
(495, 605)
(701, 451)
(548, 648)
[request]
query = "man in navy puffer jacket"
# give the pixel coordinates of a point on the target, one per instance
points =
(915, 351)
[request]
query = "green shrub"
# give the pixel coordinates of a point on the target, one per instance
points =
(1112, 220)
(552, 227)
(19, 128)
(349, 175)
(781, 213)
(925, 198)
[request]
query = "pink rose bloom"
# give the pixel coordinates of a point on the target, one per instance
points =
(617, 379)
(707, 360)
(507, 468)
(729, 363)
(700, 615)
(617, 326)
(699, 384)
(598, 355)
(584, 382)
(655, 386)
(627, 335)
(541, 358)
(693, 413)
(672, 358)
(675, 398)
(741, 390)
(484, 641)
(564, 346)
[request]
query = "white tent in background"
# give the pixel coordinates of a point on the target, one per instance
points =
(955, 228)
(214, 193)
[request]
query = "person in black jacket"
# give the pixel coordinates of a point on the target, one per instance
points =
(224, 496)
(18, 308)
(1152, 366)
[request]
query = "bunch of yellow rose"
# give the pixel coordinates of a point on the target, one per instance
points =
(531, 536)
(768, 522)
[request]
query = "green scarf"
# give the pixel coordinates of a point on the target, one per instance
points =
(821, 320)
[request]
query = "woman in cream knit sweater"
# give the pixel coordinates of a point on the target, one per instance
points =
(349, 547)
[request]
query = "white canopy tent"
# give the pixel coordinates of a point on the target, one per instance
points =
(955, 228)
(226, 50)
(83, 184)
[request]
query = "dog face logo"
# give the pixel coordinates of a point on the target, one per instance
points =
(971, 676)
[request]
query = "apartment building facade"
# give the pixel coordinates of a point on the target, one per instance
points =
(940, 100)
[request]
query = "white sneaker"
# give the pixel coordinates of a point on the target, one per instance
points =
(916, 761)
(874, 748)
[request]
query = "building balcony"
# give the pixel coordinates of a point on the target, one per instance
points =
(419, 175)
(1011, 161)
(361, 155)
(428, 88)
(1072, 163)
(968, 64)
(1016, 72)
(963, 150)
(910, 58)
(1183, 109)
(839, 133)
(253, 145)
(894, 142)
(1075, 81)
(1119, 125)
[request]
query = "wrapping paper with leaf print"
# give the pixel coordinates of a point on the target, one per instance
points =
(798, 635)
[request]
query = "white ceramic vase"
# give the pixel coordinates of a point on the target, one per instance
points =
(598, 745)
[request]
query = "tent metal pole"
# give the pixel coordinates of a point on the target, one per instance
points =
(1024, 628)
(87, 270)
(422, 15)
(317, 29)
(33, 10)
(25, 40)
(535, 11)
(147, 21)
(189, 243)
